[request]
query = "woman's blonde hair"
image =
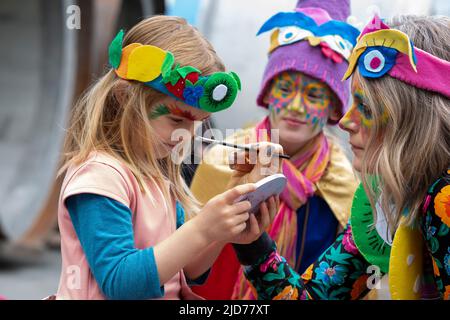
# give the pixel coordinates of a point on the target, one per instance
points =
(409, 151)
(103, 122)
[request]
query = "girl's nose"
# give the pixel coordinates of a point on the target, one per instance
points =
(296, 104)
(348, 123)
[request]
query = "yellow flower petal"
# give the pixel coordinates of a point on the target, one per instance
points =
(288, 293)
(307, 275)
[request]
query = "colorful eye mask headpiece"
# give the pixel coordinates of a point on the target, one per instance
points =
(155, 68)
(336, 38)
(382, 50)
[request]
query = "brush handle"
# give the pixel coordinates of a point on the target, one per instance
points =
(238, 146)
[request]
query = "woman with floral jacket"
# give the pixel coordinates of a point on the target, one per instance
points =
(399, 128)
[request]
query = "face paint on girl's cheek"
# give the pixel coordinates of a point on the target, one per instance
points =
(366, 121)
(276, 105)
(291, 92)
(366, 118)
(273, 112)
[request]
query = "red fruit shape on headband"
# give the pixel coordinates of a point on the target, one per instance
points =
(178, 88)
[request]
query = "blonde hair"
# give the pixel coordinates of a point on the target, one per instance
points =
(410, 151)
(102, 122)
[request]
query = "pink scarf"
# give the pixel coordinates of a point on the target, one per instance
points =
(302, 172)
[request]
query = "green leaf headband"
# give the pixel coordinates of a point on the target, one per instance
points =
(155, 68)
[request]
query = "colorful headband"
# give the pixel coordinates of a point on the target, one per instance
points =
(155, 68)
(336, 38)
(382, 50)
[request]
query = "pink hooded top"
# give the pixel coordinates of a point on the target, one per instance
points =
(153, 219)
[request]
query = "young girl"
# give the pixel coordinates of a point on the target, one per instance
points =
(399, 128)
(123, 200)
(303, 92)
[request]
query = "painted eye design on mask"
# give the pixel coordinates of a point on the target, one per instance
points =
(288, 35)
(343, 46)
(338, 44)
(377, 61)
(374, 61)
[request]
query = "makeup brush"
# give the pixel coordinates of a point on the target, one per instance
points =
(237, 146)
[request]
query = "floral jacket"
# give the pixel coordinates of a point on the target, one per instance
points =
(340, 273)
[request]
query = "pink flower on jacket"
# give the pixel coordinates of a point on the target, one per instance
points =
(347, 241)
(271, 261)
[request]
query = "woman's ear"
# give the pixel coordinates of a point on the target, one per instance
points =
(120, 91)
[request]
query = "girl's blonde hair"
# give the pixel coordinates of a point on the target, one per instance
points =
(409, 151)
(103, 122)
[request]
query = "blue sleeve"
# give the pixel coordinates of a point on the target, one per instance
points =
(105, 231)
(180, 221)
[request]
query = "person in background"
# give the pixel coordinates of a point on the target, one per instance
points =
(302, 92)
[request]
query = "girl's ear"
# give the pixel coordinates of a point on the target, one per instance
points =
(120, 91)
(335, 114)
(267, 92)
(266, 97)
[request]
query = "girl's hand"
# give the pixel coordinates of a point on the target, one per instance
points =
(221, 219)
(259, 222)
(266, 164)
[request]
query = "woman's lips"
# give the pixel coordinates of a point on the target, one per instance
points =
(356, 148)
(293, 121)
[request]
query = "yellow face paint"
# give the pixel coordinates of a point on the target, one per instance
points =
(294, 92)
(359, 113)
(363, 109)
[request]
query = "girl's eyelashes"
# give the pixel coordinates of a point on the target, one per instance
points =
(284, 86)
(313, 96)
(176, 120)
(285, 90)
